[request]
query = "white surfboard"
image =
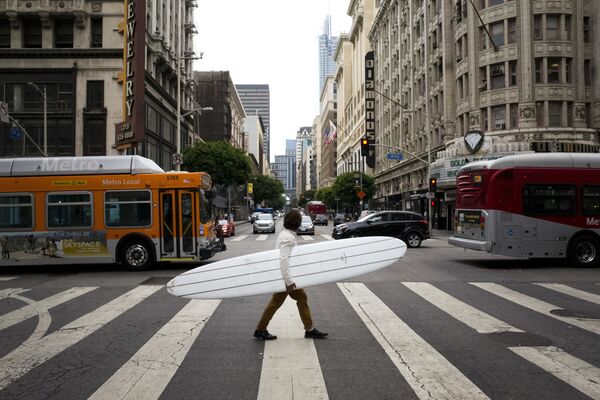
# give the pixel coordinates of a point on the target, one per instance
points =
(310, 264)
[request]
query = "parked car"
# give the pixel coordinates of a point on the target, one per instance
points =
(339, 218)
(320, 219)
(408, 226)
(306, 226)
(228, 227)
(264, 223)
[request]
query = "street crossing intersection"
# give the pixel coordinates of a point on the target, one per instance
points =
(386, 341)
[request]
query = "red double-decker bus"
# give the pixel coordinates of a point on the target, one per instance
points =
(544, 205)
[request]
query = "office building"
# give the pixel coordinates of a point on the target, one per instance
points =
(256, 100)
(327, 45)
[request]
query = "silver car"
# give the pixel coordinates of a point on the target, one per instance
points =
(264, 223)
(306, 226)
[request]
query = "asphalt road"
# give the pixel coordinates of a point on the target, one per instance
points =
(440, 323)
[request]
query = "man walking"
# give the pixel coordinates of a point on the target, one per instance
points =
(285, 242)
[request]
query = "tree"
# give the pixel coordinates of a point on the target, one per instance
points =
(268, 190)
(305, 197)
(347, 186)
(325, 194)
(225, 164)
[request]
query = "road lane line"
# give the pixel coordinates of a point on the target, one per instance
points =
(7, 278)
(537, 305)
(580, 294)
(429, 373)
(579, 374)
(290, 368)
(37, 307)
(239, 238)
(4, 293)
(327, 237)
(32, 354)
(149, 371)
(307, 238)
(262, 237)
(470, 316)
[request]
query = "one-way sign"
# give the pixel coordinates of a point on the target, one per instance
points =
(394, 156)
(4, 112)
(16, 133)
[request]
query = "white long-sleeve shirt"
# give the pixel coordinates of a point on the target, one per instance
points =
(285, 242)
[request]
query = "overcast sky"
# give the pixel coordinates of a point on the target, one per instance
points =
(272, 42)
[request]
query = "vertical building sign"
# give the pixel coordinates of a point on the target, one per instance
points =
(131, 130)
(370, 106)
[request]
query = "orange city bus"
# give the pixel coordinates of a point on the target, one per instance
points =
(59, 210)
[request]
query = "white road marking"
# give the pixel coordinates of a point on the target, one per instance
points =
(11, 291)
(572, 370)
(7, 278)
(327, 237)
(307, 238)
(36, 307)
(149, 371)
(537, 305)
(239, 238)
(428, 372)
(290, 368)
(580, 294)
(468, 315)
(31, 354)
(262, 237)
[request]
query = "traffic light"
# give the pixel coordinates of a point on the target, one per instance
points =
(433, 185)
(364, 146)
(433, 203)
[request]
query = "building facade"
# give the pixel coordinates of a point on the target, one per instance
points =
(460, 91)
(256, 100)
(327, 45)
(326, 153)
(107, 90)
(226, 120)
(254, 128)
(284, 169)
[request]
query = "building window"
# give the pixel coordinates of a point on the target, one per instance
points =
(587, 30)
(539, 66)
(569, 113)
(537, 27)
(32, 34)
(568, 28)
(514, 116)
(568, 69)
(512, 31)
(554, 70)
(512, 71)
(497, 32)
(499, 118)
(539, 114)
(94, 135)
(484, 119)
(95, 95)
(555, 113)
(72, 210)
(587, 72)
(4, 34)
(63, 33)
(16, 211)
(498, 76)
(552, 24)
(96, 28)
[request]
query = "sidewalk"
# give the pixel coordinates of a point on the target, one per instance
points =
(441, 234)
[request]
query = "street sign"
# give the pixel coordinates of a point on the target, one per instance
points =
(16, 133)
(394, 156)
(177, 159)
(4, 112)
(361, 194)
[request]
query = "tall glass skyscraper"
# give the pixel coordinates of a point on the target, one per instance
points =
(327, 44)
(256, 100)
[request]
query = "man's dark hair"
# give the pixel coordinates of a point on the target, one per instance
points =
(292, 220)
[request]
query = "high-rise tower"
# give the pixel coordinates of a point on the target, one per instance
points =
(327, 44)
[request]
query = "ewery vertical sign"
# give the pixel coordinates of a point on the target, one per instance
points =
(370, 106)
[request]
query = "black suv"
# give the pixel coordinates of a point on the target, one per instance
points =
(408, 226)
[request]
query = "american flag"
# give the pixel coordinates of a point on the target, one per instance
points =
(329, 134)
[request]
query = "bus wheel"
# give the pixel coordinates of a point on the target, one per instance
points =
(584, 251)
(136, 255)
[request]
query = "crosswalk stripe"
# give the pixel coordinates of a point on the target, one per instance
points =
(291, 368)
(262, 237)
(33, 353)
(307, 238)
(429, 373)
(7, 278)
(10, 291)
(327, 237)
(149, 371)
(572, 370)
(34, 309)
(470, 316)
(239, 238)
(580, 294)
(537, 305)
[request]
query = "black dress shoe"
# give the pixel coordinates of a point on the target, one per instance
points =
(314, 334)
(264, 335)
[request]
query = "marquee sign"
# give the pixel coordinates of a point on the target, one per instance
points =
(131, 131)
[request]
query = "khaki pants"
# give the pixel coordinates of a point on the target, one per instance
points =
(277, 300)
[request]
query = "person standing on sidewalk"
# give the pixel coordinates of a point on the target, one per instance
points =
(285, 243)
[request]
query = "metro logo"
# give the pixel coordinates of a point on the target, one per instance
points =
(592, 221)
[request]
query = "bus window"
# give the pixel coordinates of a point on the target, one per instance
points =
(69, 210)
(549, 200)
(16, 211)
(591, 200)
(127, 208)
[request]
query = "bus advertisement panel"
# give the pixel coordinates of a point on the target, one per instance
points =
(541, 205)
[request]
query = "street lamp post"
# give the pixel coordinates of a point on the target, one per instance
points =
(43, 93)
